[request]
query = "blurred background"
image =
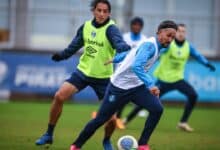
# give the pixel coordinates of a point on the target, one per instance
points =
(31, 30)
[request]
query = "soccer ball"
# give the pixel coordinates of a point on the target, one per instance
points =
(127, 142)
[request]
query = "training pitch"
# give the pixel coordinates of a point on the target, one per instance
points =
(22, 123)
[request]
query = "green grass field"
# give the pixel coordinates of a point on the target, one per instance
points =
(22, 123)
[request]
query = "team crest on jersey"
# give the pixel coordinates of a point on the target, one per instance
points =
(179, 53)
(93, 34)
(111, 98)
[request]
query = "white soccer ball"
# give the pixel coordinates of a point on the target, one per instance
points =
(127, 142)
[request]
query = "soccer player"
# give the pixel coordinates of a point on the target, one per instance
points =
(133, 38)
(170, 72)
(100, 38)
(130, 82)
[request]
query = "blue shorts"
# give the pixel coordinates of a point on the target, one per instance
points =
(81, 81)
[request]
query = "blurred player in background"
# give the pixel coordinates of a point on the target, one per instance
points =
(170, 73)
(133, 38)
(100, 38)
(130, 82)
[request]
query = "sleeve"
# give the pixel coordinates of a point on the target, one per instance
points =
(195, 54)
(75, 45)
(119, 57)
(144, 53)
(115, 38)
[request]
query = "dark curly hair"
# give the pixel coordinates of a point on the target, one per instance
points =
(167, 24)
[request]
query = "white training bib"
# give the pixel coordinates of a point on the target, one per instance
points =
(124, 77)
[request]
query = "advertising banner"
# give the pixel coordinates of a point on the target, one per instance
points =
(37, 74)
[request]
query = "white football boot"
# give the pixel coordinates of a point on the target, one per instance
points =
(185, 127)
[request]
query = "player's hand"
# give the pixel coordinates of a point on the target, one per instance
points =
(108, 62)
(211, 67)
(155, 91)
(56, 57)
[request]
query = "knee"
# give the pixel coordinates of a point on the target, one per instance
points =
(158, 110)
(99, 120)
(113, 119)
(111, 122)
(59, 97)
(193, 98)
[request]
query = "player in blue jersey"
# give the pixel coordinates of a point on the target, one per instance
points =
(130, 82)
(170, 74)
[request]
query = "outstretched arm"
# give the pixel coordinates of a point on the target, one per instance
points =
(115, 38)
(200, 58)
(119, 57)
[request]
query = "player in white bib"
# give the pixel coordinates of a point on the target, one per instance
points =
(135, 36)
(130, 82)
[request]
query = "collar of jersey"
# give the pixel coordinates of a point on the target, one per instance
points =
(95, 24)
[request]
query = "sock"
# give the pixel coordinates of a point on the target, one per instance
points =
(106, 139)
(50, 129)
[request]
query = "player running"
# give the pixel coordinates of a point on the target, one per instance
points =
(130, 82)
(133, 38)
(99, 37)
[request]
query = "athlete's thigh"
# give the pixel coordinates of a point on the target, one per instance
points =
(66, 90)
(78, 81)
(71, 86)
(185, 88)
(164, 87)
(100, 87)
(111, 103)
(146, 100)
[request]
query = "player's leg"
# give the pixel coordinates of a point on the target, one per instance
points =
(99, 87)
(108, 108)
(109, 128)
(145, 99)
(61, 95)
(191, 94)
(69, 87)
(120, 111)
(136, 109)
(164, 87)
(119, 121)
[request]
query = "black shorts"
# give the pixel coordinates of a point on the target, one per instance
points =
(81, 81)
